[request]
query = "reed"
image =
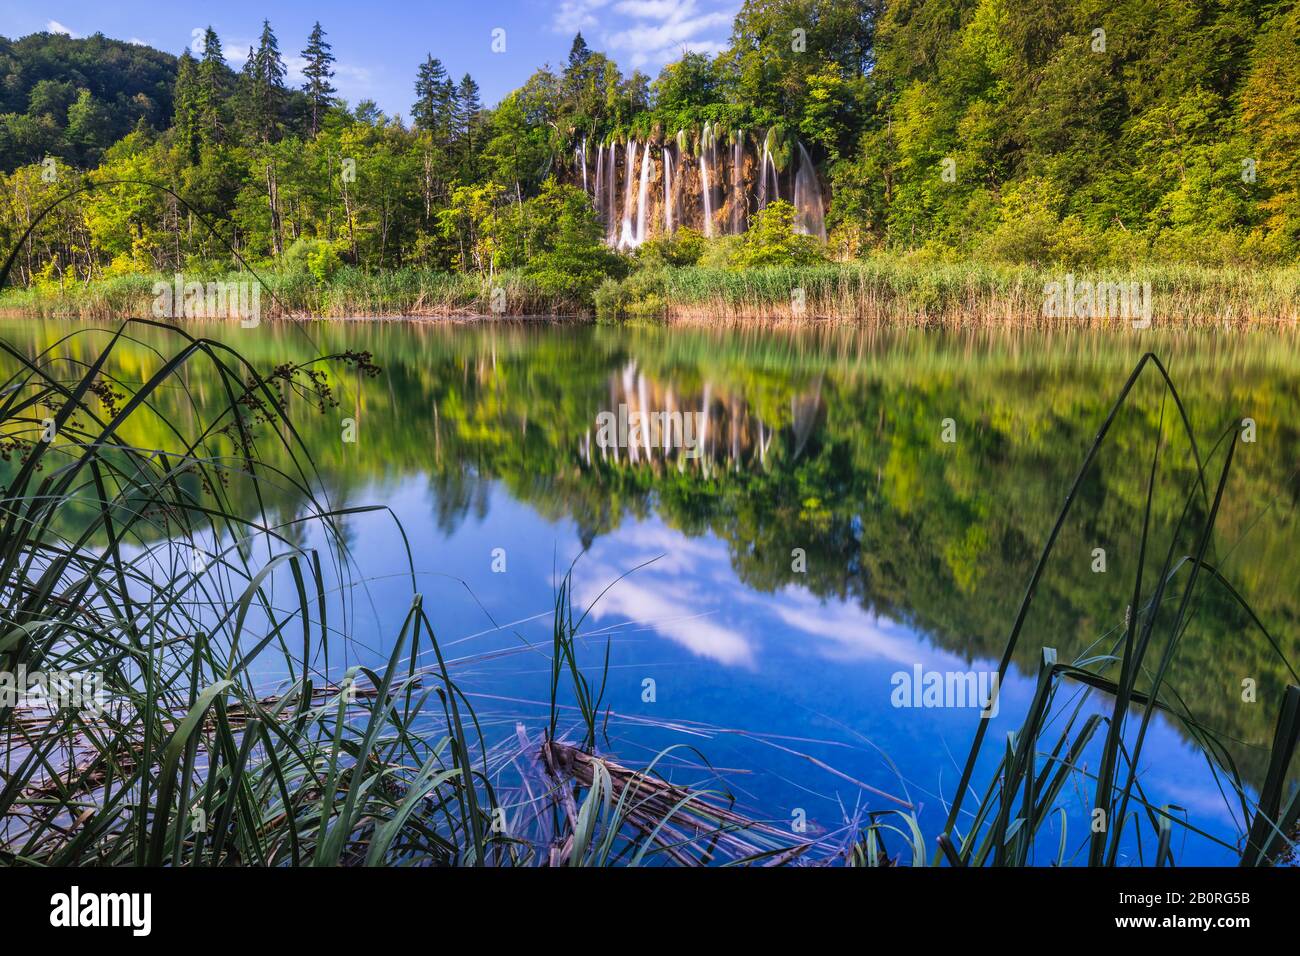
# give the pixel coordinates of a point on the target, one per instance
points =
(900, 291)
(1130, 668)
(349, 293)
(886, 290)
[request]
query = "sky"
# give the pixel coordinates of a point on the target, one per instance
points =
(379, 45)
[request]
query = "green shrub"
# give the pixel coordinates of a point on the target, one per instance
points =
(772, 241)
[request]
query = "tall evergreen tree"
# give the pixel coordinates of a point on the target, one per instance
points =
(185, 110)
(579, 52)
(468, 114)
(213, 90)
(431, 95)
(318, 73)
(268, 90)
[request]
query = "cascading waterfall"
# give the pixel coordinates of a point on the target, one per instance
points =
(668, 192)
(626, 238)
(810, 218)
(738, 183)
(611, 194)
(706, 192)
(723, 180)
(583, 160)
(643, 198)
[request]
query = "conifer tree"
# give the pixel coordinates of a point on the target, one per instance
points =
(213, 90)
(431, 96)
(185, 108)
(318, 73)
(268, 88)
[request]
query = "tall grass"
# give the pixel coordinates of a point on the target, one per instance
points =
(1020, 801)
(350, 292)
(885, 290)
(899, 291)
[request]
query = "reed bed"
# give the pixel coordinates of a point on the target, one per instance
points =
(349, 293)
(887, 290)
(959, 295)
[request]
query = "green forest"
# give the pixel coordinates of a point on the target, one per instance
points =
(1044, 134)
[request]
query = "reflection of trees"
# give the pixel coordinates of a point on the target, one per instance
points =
(813, 446)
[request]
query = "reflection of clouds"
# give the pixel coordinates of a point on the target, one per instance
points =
(846, 632)
(675, 596)
(661, 605)
(690, 595)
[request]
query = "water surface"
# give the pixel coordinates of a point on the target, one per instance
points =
(826, 539)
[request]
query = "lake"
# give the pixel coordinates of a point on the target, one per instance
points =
(857, 510)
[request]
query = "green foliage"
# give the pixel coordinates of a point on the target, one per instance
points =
(568, 254)
(73, 98)
(317, 256)
(772, 241)
(1001, 130)
(684, 247)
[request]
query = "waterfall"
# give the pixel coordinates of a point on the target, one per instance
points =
(706, 193)
(583, 160)
(738, 182)
(762, 176)
(668, 192)
(600, 169)
(626, 238)
(642, 198)
(810, 218)
(611, 194)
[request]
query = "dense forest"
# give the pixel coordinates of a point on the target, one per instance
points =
(1023, 131)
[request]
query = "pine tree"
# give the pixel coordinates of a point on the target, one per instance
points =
(430, 95)
(185, 99)
(268, 74)
(318, 74)
(468, 114)
(579, 53)
(213, 89)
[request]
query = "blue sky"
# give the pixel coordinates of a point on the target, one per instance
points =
(379, 45)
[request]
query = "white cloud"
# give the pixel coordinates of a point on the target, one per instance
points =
(54, 26)
(648, 32)
(574, 15)
(681, 596)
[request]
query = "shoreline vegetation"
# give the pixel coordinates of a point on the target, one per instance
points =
(886, 290)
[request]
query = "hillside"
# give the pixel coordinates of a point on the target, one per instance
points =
(73, 98)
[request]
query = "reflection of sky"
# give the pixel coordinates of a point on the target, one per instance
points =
(814, 675)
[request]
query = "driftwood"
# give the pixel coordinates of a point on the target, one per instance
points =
(691, 827)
